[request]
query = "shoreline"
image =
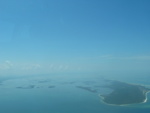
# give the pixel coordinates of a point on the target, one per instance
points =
(146, 97)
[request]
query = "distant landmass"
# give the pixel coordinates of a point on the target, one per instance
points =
(27, 87)
(87, 88)
(125, 93)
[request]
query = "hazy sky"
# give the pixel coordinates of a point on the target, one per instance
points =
(44, 36)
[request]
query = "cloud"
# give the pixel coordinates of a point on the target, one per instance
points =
(139, 57)
(112, 57)
(130, 58)
(58, 67)
(24, 68)
(32, 67)
(6, 65)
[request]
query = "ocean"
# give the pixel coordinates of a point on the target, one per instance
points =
(61, 94)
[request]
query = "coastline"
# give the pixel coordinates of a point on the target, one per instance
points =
(146, 97)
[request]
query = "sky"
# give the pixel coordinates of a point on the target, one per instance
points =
(95, 36)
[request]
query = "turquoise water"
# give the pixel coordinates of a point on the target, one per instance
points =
(65, 97)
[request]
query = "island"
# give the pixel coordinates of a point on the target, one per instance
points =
(52, 86)
(26, 87)
(125, 93)
(87, 88)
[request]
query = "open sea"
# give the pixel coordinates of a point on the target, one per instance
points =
(62, 94)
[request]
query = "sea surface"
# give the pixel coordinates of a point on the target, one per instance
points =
(66, 93)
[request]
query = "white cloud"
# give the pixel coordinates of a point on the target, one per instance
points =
(141, 57)
(6, 65)
(131, 57)
(22, 68)
(58, 67)
(31, 67)
(66, 67)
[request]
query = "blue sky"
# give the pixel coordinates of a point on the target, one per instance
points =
(103, 36)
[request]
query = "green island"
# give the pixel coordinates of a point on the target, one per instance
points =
(125, 94)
